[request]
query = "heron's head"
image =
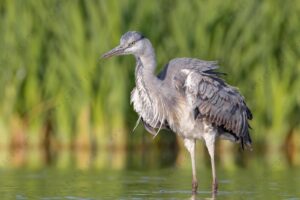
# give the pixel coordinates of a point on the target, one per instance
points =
(131, 42)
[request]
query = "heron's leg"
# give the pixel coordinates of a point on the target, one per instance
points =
(210, 144)
(190, 144)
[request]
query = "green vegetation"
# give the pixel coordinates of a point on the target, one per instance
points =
(54, 88)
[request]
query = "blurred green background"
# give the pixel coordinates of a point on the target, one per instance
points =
(60, 104)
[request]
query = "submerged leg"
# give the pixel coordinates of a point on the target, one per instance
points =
(190, 144)
(210, 144)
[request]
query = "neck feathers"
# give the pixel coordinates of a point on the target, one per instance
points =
(147, 57)
(147, 99)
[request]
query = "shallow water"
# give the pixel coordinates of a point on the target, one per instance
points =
(167, 183)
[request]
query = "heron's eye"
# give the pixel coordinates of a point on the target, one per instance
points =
(132, 43)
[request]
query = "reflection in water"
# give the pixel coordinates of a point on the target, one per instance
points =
(255, 182)
(149, 172)
(194, 197)
(149, 157)
(164, 151)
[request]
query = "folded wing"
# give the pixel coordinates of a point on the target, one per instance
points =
(214, 100)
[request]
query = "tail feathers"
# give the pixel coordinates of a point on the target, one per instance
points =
(246, 141)
(245, 135)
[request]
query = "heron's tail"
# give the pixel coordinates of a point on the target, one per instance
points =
(245, 137)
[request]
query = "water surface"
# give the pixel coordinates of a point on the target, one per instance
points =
(166, 183)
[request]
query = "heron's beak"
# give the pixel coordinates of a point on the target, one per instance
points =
(115, 51)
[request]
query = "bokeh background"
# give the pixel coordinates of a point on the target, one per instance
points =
(61, 106)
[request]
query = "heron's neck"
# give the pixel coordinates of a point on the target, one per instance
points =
(148, 98)
(147, 58)
(145, 77)
(145, 71)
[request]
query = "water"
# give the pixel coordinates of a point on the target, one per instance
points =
(167, 183)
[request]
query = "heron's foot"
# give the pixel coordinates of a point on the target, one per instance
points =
(194, 186)
(215, 186)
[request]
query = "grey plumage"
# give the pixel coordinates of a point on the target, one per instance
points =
(188, 97)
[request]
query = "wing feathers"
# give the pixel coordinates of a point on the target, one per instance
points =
(220, 103)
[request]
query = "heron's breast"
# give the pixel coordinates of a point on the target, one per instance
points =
(147, 108)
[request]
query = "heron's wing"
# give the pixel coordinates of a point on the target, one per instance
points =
(194, 63)
(216, 101)
(172, 68)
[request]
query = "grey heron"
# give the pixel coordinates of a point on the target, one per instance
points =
(188, 97)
